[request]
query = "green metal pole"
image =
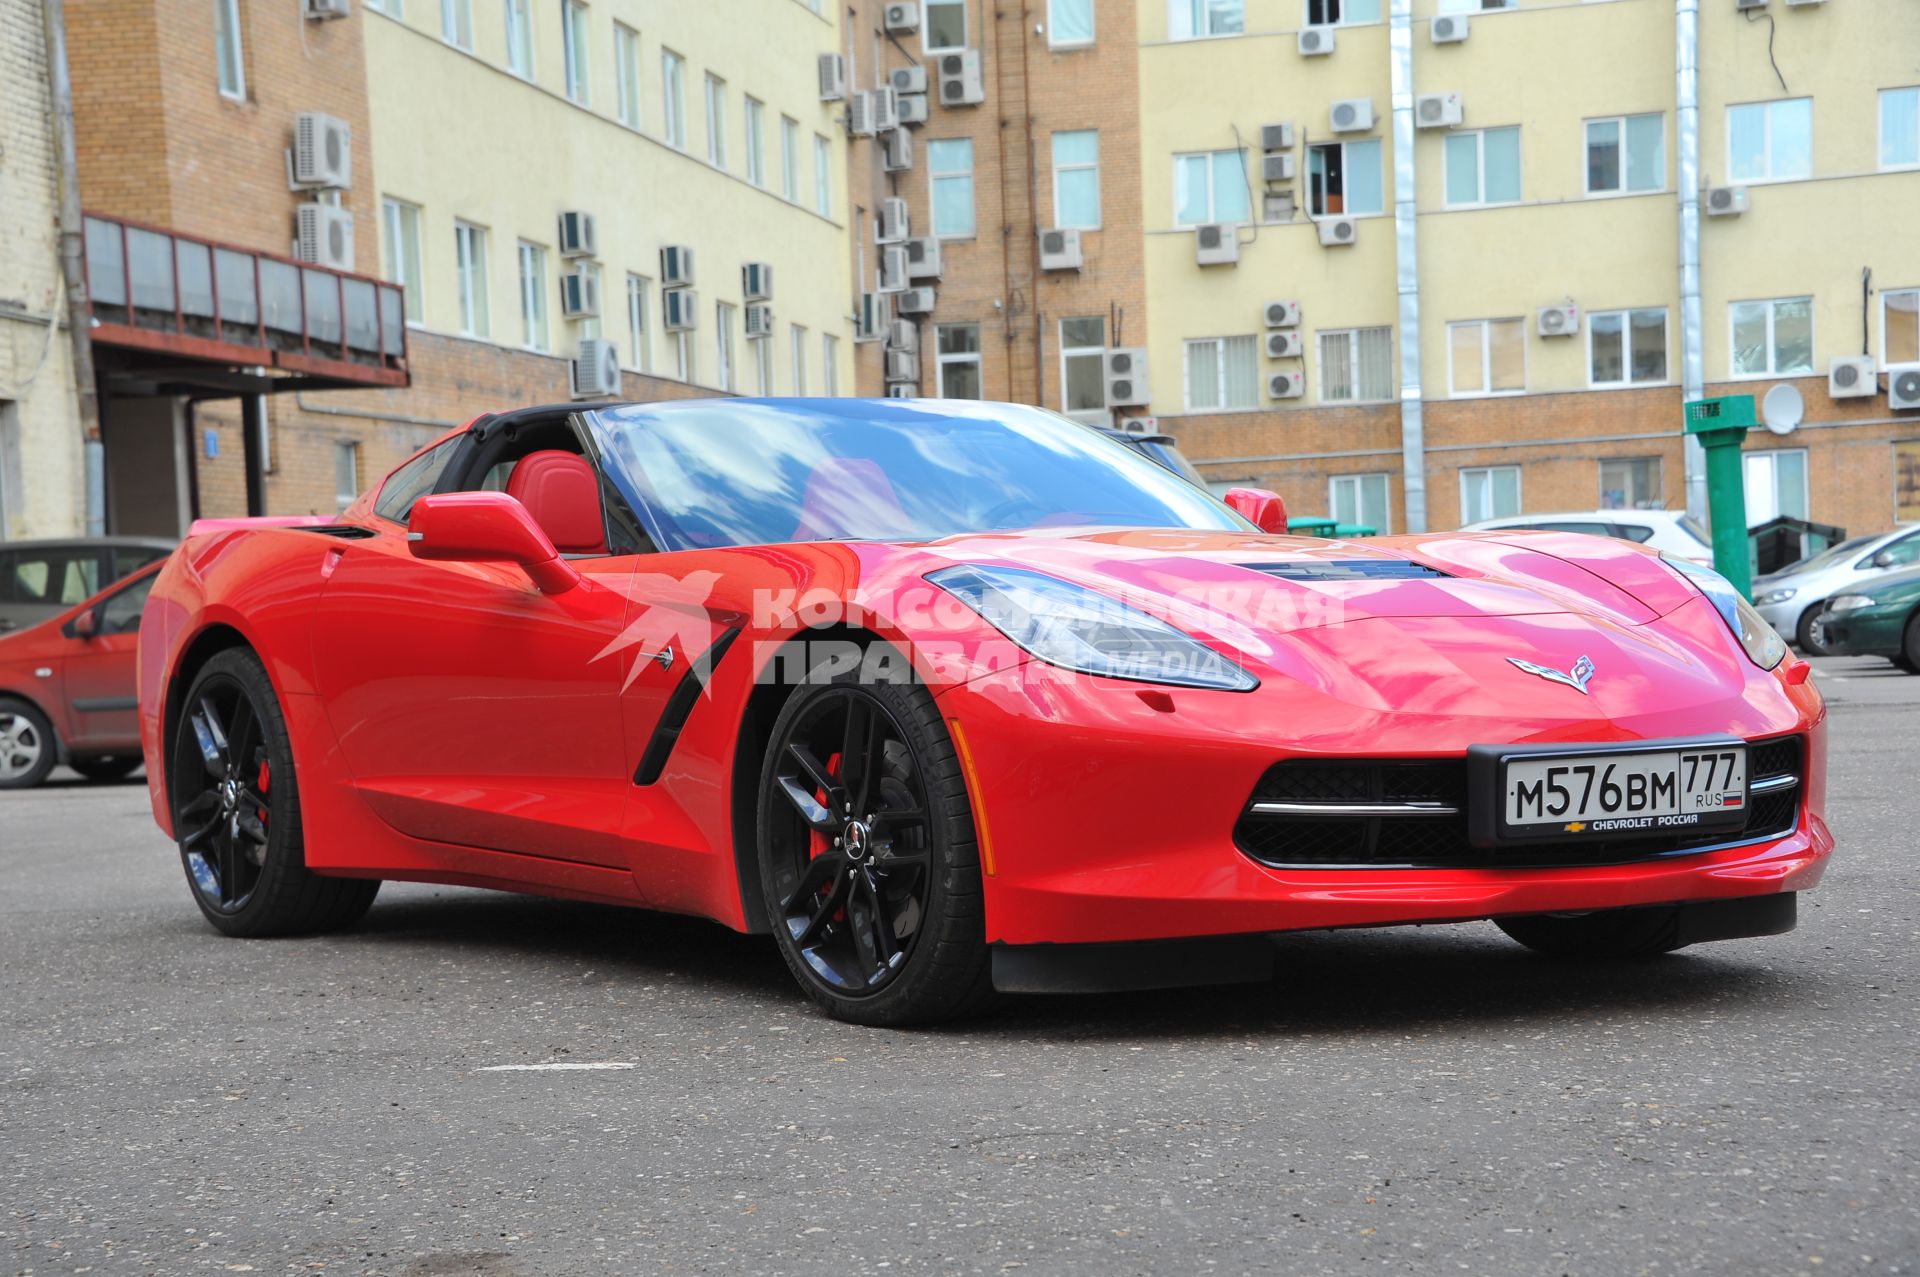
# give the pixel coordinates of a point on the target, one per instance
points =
(1721, 425)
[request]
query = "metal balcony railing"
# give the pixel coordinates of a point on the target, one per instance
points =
(158, 290)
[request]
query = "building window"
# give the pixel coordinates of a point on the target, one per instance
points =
(1770, 141)
(401, 221)
(790, 159)
(1344, 178)
(1083, 373)
(1900, 128)
(686, 365)
(1342, 13)
(470, 262)
(533, 296)
(756, 142)
(950, 175)
(1627, 347)
(1776, 484)
(1223, 372)
(799, 353)
(1069, 23)
(1356, 365)
(589, 325)
(723, 343)
(763, 364)
(958, 357)
(1900, 327)
(1627, 153)
(822, 176)
(639, 335)
(1474, 6)
(1483, 167)
(1631, 483)
(519, 38)
(573, 48)
(456, 23)
(1210, 186)
(1487, 357)
(392, 8)
(1489, 492)
(626, 75)
(673, 94)
(227, 49)
(1773, 338)
(829, 364)
(1076, 179)
(716, 122)
(1361, 500)
(346, 474)
(943, 25)
(1197, 19)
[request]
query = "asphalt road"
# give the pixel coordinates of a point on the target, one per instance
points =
(1430, 1100)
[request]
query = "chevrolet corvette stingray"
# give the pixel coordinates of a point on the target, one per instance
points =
(952, 698)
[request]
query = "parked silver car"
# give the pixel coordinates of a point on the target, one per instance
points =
(1792, 600)
(41, 579)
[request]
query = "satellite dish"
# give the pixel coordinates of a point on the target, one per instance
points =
(1783, 409)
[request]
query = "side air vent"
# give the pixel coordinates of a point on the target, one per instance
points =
(1347, 570)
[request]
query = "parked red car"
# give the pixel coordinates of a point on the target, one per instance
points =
(67, 689)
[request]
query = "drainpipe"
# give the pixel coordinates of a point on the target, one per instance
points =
(1413, 442)
(73, 267)
(1686, 89)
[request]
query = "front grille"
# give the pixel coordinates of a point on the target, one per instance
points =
(1317, 840)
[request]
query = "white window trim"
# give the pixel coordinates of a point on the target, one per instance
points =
(973, 191)
(451, 14)
(230, 13)
(1766, 146)
(391, 225)
(1306, 12)
(1099, 201)
(1626, 349)
(510, 23)
(1353, 335)
(753, 125)
(966, 27)
(673, 100)
(1486, 358)
(575, 54)
(1386, 178)
(533, 336)
(1620, 121)
(1212, 213)
(715, 94)
(1600, 477)
(641, 334)
(1519, 491)
(1769, 374)
(1102, 414)
(726, 370)
(1479, 137)
(942, 359)
(1093, 17)
(763, 365)
(472, 305)
(829, 365)
(626, 77)
(1385, 527)
(822, 175)
(1806, 473)
(1884, 362)
(1220, 364)
(789, 159)
(797, 343)
(342, 497)
(1210, 35)
(1880, 129)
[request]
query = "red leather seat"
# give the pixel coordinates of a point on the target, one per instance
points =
(562, 493)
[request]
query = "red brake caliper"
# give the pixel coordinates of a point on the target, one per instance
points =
(817, 842)
(266, 779)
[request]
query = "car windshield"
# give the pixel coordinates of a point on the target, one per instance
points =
(760, 472)
(1831, 555)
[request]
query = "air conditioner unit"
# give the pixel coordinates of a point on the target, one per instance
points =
(893, 269)
(911, 107)
(904, 390)
(1335, 231)
(1276, 137)
(923, 258)
(321, 10)
(676, 266)
(759, 321)
(1726, 201)
(756, 281)
(903, 365)
(894, 221)
(1852, 377)
(1351, 115)
(901, 17)
(1437, 110)
(1060, 250)
(860, 114)
(1126, 368)
(579, 236)
(1316, 42)
(1276, 166)
(1741, 6)
(1216, 244)
(873, 317)
(1285, 343)
(961, 83)
(903, 334)
(1449, 28)
(322, 151)
(1558, 321)
(1286, 385)
(594, 370)
(682, 309)
(897, 155)
(886, 110)
(580, 293)
(908, 79)
(915, 301)
(833, 77)
(1284, 314)
(324, 235)
(1903, 386)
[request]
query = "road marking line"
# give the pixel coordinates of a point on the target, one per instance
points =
(555, 1067)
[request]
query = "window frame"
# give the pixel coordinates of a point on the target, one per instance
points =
(1174, 25)
(1628, 382)
(229, 51)
(1479, 137)
(1620, 123)
(754, 129)
(536, 329)
(639, 329)
(935, 176)
(822, 175)
(673, 99)
(349, 449)
(1380, 154)
(1772, 370)
(1773, 455)
(797, 342)
(1659, 470)
(789, 159)
(1519, 492)
(714, 94)
(1306, 14)
(763, 364)
(1213, 159)
(1103, 414)
(926, 26)
(575, 59)
(1353, 346)
(1220, 373)
(398, 216)
(1880, 130)
(516, 18)
(1885, 294)
(1357, 480)
(456, 24)
(1093, 27)
(470, 276)
(626, 76)
(943, 359)
(726, 372)
(829, 365)
(1767, 109)
(1486, 357)
(1053, 154)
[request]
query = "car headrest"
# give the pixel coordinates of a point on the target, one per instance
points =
(562, 493)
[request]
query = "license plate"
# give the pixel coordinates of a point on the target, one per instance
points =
(1618, 793)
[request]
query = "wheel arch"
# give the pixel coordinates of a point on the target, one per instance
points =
(216, 638)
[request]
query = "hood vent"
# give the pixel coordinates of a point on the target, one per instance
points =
(1347, 570)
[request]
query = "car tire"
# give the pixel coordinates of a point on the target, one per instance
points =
(871, 868)
(1909, 658)
(1607, 933)
(105, 767)
(28, 747)
(236, 811)
(1806, 635)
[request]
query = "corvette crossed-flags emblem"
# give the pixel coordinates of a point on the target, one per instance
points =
(1577, 678)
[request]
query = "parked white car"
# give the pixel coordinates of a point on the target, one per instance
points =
(1668, 531)
(1793, 599)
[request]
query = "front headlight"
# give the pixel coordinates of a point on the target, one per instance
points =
(1774, 596)
(1848, 602)
(1080, 629)
(1762, 646)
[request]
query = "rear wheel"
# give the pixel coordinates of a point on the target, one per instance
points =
(105, 766)
(27, 747)
(1608, 933)
(1810, 636)
(236, 811)
(867, 855)
(1909, 658)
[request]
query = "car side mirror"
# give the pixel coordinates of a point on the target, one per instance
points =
(84, 626)
(1886, 559)
(1264, 509)
(487, 527)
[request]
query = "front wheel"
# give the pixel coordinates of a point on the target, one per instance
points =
(1607, 933)
(1909, 658)
(1810, 636)
(868, 858)
(27, 748)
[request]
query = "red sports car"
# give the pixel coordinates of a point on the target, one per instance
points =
(955, 697)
